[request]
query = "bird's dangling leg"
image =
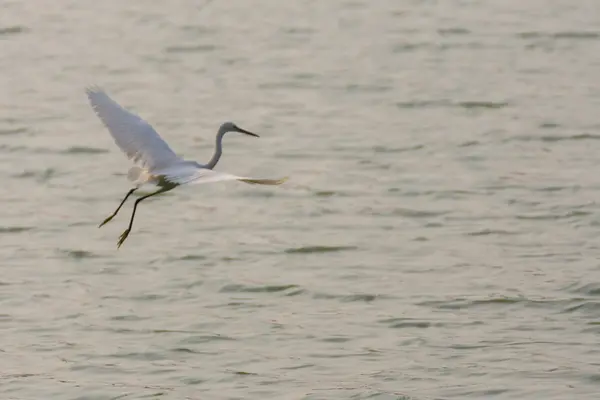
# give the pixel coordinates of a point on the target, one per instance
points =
(118, 208)
(126, 232)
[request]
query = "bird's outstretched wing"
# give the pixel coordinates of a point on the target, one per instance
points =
(133, 135)
(186, 173)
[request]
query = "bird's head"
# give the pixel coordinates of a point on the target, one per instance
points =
(231, 127)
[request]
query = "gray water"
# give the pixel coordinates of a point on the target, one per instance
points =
(438, 238)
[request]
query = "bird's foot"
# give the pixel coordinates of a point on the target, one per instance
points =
(105, 221)
(122, 238)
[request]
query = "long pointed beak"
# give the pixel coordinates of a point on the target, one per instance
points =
(247, 133)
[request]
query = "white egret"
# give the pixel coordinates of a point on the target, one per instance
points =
(155, 162)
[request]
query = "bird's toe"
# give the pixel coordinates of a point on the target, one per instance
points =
(105, 221)
(122, 238)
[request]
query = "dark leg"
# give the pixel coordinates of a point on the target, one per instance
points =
(118, 208)
(126, 232)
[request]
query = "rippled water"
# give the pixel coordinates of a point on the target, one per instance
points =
(438, 238)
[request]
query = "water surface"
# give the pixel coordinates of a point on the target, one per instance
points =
(438, 238)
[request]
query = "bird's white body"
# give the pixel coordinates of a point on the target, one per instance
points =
(155, 162)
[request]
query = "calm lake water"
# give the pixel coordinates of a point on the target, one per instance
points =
(439, 237)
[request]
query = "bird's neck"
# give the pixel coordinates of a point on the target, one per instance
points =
(218, 151)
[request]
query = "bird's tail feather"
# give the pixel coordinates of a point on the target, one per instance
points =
(264, 181)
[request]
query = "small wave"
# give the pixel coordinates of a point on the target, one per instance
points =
(258, 193)
(464, 303)
(553, 138)
(299, 366)
(318, 249)
(189, 381)
(482, 104)
(552, 217)
(475, 104)
(197, 339)
(295, 30)
(530, 35)
(142, 356)
(578, 35)
(488, 232)
(14, 131)
(336, 339)
(286, 84)
(186, 350)
(148, 297)
(190, 284)
(41, 176)
(383, 149)
(592, 307)
(553, 188)
(401, 323)
(78, 254)
(192, 257)
(413, 213)
(404, 212)
(15, 229)
(367, 88)
(406, 47)
(128, 317)
(588, 289)
(325, 193)
(244, 373)
(549, 125)
(453, 31)
(469, 143)
(84, 150)
(456, 304)
(198, 29)
(200, 48)
(422, 103)
(13, 30)
(258, 289)
(359, 297)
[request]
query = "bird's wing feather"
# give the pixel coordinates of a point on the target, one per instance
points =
(134, 136)
(190, 174)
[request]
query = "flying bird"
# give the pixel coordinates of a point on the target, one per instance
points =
(155, 162)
